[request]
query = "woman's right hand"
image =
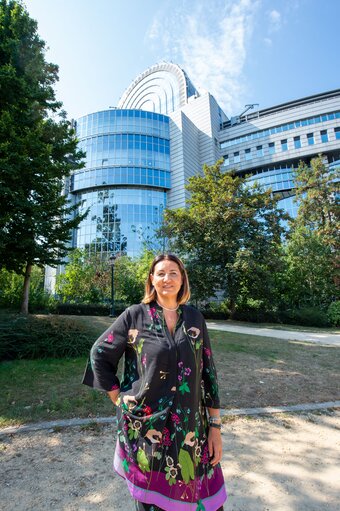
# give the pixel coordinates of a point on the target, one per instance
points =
(114, 396)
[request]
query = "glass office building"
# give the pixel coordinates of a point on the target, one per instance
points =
(125, 179)
(164, 125)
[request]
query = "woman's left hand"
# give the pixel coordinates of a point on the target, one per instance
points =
(215, 445)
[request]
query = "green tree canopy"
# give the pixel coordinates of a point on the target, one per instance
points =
(87, 278)
(317, 192)
(234, 230)
(309, 276)
(38, 150)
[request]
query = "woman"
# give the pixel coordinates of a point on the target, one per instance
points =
(167, 450)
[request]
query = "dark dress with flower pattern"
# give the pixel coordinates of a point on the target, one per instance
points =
(167, 384)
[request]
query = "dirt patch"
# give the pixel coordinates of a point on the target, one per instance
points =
(258, 372)
(279, 463)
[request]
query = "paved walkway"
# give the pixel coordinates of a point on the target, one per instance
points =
(323, 338)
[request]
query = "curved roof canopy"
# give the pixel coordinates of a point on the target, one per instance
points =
(162, 88)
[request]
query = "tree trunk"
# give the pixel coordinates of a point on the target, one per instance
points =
(232, 306)
(26, 289)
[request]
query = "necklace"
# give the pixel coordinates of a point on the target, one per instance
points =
(165, 308)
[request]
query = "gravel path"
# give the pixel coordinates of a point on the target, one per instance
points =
(323, 338)
(273, 463)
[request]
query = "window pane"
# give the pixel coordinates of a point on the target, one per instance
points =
(310, 138)
(259, 150)
(297, 142)
(337, 133)
(324, 136)
(284, 145)
(271, 147)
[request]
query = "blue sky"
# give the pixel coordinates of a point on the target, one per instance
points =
(242, 51)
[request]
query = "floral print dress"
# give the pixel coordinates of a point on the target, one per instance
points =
(167, 383)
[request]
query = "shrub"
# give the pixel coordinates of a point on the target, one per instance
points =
(89, 309)
(333, 313)
(256, 316)
(309, 316)
(216, 310)
(11, 287)
(33, 337)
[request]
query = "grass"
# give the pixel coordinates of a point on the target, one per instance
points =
(253, 371)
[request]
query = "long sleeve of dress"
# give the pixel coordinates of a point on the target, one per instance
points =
(209, 375)
(105, 354)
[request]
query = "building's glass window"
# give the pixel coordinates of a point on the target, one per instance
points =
(226, 160)
(337, 133)
(271, 147)
(324, 136)
(278, 129)
(310, 138)
(237, 157)
(248, 154)
(284, 145)
(297, 142)
(259, 150)
(118, 219)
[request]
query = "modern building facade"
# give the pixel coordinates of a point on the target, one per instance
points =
(269, 144)
(140, 155)
(125, 179)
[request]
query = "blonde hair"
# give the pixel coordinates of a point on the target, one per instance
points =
(150, 294)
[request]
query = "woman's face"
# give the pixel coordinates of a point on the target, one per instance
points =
(167, 279)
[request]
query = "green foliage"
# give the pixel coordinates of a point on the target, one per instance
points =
(84, 309)
(309, 276)
(38, 150)
(233, 230)
(130, 277)
(87, 279)
(216, 310)
(316, 190)
(333, 313)
(308, 316)
(32, 337)
(11, 285)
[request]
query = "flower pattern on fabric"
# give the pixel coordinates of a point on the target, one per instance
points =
(168, 381)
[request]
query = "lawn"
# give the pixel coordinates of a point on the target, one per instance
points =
(253, 371)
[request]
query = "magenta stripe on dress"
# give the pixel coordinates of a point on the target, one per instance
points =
(148, 493)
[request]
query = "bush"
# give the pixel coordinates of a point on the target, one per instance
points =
(309, 316)
(215, 310)
(333, 313)
(33, 337)
(256, 316)
(11, 287)
(89, 309)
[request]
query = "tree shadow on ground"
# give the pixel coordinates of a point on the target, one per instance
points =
(275, 463)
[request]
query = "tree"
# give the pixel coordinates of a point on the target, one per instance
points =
(309, 275)
(38, 150)
(232, 228)
(312, 251)
(317, 192)
(87, 278)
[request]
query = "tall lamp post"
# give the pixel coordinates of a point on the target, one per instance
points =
(112, 259)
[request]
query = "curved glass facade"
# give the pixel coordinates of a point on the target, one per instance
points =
(124, 182)
(279, 180)
(119, 219)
